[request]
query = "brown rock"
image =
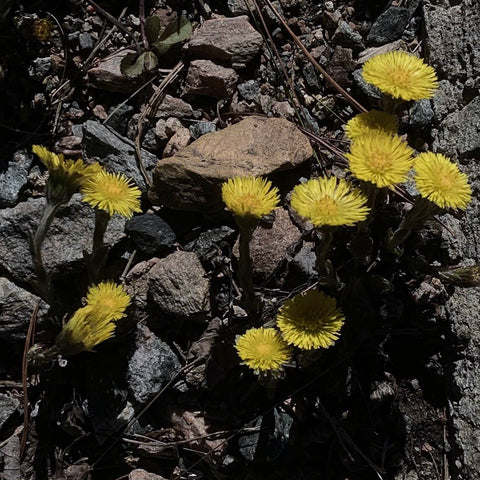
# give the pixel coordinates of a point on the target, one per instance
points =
(341, 66)
(180, 140)
(207, 78)
(140, 474)
(232, 40)
(191, 180)
(108, 76)
(173, 107)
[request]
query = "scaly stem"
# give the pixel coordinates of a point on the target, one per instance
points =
(322, 249)
(96, 261)
(245, 268)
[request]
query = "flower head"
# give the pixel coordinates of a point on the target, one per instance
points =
(263, 349)
(310, 320)
(329, 201)
(401, 75)
(380, 158)
(250, 197)
(370, 122)
(42, 29)
(112, 192)
(108, 300)
(85, 330)
(64, 176)
(439, 180)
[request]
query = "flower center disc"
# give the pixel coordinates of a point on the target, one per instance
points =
(327, 206)
(264, 349)
(379, 162)
(402, 77)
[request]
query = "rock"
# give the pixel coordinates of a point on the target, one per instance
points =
(40, 68)
(164, 129)
(304, 261)
(179, 287)
(459, 133)
(373, 94)
(341, 65)
(137, 284)
(150, 234)
(451, 39)
(151, 365)
(249, 90)
(239, 7)
(207, 78)
(16, 308)
(311, 77)
(192, 179)
(178, 141)
(8, 407)
(119, 117)
(371, 52)
(421, 114)
(85, 41)
(231, 40)
(447, 98)
(389, 26)
(173, 107)
(14, 178)
(71, 232)
(207, 242)
(346, 37)
(269, 245)
(114, 151)
(202, 128)
(108, 76)
(140, 474)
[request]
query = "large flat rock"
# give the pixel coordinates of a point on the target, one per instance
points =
(191, 180)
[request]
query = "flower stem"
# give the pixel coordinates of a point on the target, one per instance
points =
(245, 268)
(97, 259)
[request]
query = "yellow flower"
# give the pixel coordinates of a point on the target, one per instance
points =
(42, 29)
(112, 192)
(439, 180)
(310, 320)
(380, 158)
(401, 75)
(263, 349)
(250, 197)
(83, 332)
(329, 201)
(108, 300)
(64, 176)
(370, 122)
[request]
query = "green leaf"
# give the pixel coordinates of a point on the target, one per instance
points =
(145, 62)
(152, 28)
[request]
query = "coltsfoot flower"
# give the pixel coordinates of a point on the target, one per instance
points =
(380, 158)
(84, 331)
(42, 29)
(401, 75)
(250, 197)
(370, 122)
(112, 192)
(439, 180)
(64, 176)
(263, 349)
(310, 320)
(329, 201)
(109, 300)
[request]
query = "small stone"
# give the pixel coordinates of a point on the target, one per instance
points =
(14, 178)
(283, 109)
(85, 41)
(389, 26)
(207, 78)
(173, 107)
(311, 77)
(231, 40)
(304, 261)
(374, 51)
(140, 474)
(151, 365)
(178, 141)
(239, 7)
(8, 407)
(172, 125)
(150, 234)
(370, 91)
(179, 287)
(342, 65)
(421, 114)
(119, 116)
(249, 90)
(99, 112)
(207, 242)
(40, 68)
(447, 99)
(346, 37)
(329, 7)
(202, 128)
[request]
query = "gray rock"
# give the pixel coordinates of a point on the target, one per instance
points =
(239, 7)
(452, 39)
(459, 133)
(119, 118)
(14, 178)
(248, 443)
(305, 260)
(249, 90)
(179, 286)
(231, 40)
(370, 91)
(207, 78)
(202, 128)
(447, 99)
(421, 114)
(16, 307)
(207, 242)
(389, 26)
(71, 232)
(150, 367)
(40, 68)
(311, 77)
(114, 151)
(341, 65)
(150, 233)
(85, 41)
(8, 407)
(140, 474)
(173, 107)
(346, 37)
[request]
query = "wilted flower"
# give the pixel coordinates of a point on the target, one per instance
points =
(250, 197)
(329, 201)
(380, 158)
(310, 320)
(401, 75)
(109, 300)
(263, 349)
(370, 122)
(439, 180)
(113, 193)
(42, 29)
